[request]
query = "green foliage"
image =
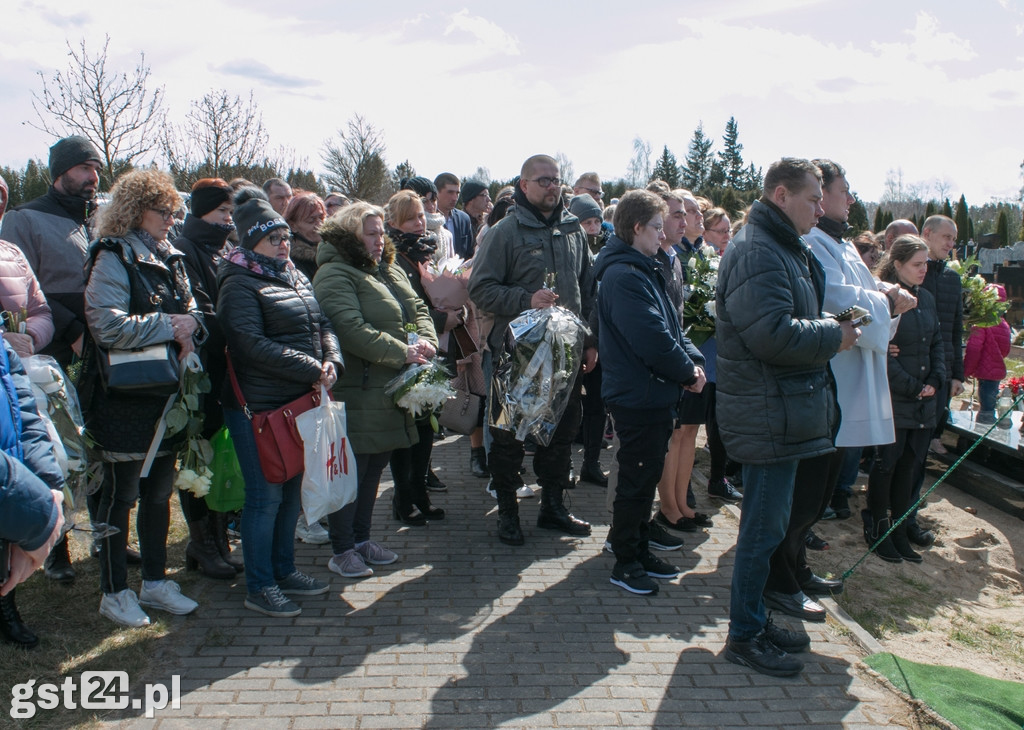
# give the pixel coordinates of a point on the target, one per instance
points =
(667, 169)
(699, 161)
(1002, 228)
(731, 157)
(879, 223)
(858, 219)
(305, 180)
(947, 209)
(613, 189)
(929, 210)
(963, 225)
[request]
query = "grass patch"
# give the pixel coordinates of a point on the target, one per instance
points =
(1004, 643)
(886, 605)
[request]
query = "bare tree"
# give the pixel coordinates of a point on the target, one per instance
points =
(114, 109)
(565, 168)
(355, 163)
(639, 171)
(219, 131)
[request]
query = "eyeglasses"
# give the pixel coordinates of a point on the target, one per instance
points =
(546, 182)
(659, 229)
(165, 213)
(594, 191)
(722, 231)
(277, 239)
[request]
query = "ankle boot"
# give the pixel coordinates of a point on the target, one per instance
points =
(421, 500)
(478, 462)
(57, 565)
(509, 530)
(554, 516)
(885, 550)
(591, 472)
(903, 546)
(12, 628)
(218, 524)
(201, 552)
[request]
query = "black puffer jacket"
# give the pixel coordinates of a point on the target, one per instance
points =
(920, 363)
(278, 338)
(944, 284)
(776, 395)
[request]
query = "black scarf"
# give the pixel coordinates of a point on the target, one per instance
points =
(418, 248)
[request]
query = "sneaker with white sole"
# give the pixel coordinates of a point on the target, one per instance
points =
(123, 608)
(633, 578)
(349, 564)
(300, 584)
(525, 492)
(313, 534)
(270, 601)
(166, 595)
(658, 538)
(376, 554)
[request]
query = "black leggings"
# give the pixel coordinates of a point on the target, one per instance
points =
(896, 471)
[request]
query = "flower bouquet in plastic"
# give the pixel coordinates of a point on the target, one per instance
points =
(982, 307)
(534, 376)
(421, 389)
(699, 309)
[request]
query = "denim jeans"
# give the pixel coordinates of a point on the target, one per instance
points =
(988, 394)
(767, 501)
(351, 524)
(269, 514)
(122, 487)
(849, 469)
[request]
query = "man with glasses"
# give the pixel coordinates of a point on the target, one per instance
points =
(52, 231)
(589, 184)
(539, 241)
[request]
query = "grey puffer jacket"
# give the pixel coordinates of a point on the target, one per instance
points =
(921, 362)
(776, 395)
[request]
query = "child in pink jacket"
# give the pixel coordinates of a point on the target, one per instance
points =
(983, 359)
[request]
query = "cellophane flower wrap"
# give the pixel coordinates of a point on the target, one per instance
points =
(982, 307)
(421, 389)
(699, 315)
(186, 415)
(535, 374)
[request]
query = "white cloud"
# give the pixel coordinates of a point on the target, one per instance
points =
(487, 32)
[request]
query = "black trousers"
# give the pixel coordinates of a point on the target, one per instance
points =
(594, 415)
(815, 480)
(896, 472)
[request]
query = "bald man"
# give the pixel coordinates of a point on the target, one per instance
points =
(897, 228)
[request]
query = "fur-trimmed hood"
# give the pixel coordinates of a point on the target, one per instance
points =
(302, 249)
(350, 248)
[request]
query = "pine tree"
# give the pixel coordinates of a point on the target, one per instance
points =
(1003, 228)
(666, 169)
(858, 219)
(35, 181)
(731, 158)
(929, 210)
(879, 223)
(947, 209)
(963, 226)
(753, 179)
(699, 160)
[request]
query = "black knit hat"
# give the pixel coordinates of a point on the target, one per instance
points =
(254, 219)
(419, 185)
(209, 198)
(71, 151)
(470, 189)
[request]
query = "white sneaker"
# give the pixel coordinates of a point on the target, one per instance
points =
(349, 564)
(166, 595)
(525, 492)
(311, 534)
(123, 608)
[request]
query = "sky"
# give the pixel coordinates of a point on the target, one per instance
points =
(930, 90)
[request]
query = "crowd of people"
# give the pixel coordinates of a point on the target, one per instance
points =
(825, 353)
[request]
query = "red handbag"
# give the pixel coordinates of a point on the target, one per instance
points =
(278, 443)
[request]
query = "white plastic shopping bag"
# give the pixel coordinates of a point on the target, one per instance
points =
(329, 481)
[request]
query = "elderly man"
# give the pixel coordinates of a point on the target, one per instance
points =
(537, 238)
(279, 193)
(776, 398)
(897, 228)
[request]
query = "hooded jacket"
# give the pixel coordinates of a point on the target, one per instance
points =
(19, 289)
(369, 304)
(776, 396)
(53, 234)
(645, 359)
(987, 347)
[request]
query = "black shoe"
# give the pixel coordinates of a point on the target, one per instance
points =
(413, 518)
(885, 549)
(685, 524)
(430, 512)
(761, 655)
(434, 484)
(591, 473)
(691, 498)
(797, 605)
(919, 536)
(791, 642)
(562, 521)
(57, 565)
(12, 628)
(634, 579)
(132, 556)
(658, 538)
(478, 462)
(841, 505)
(816, 586)
(509, 531)
(658, 568)
(813, 542)
(722, 489)
(902, 545)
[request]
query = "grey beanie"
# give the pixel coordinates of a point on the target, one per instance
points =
(254, 219)
(584, 206)
(71, 151)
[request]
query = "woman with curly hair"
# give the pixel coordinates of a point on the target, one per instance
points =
(304, 215)
(137, 295)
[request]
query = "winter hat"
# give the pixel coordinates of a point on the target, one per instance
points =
(470, 189)
(419, 185)
(209, 198)
(254, 219)
(584, 206)
(71, 151)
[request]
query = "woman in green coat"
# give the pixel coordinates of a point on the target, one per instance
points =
(373, 308)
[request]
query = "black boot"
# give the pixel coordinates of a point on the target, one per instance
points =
(554, 516)
(201, 552)
(218, 522)
(885, 550)
(591, 472)
(12, 628)
(478, 462)
(902, 544)
(421, 500)
(509, 530)
(402, 507)
(58, 563)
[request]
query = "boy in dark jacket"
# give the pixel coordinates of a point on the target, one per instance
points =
(647, 364)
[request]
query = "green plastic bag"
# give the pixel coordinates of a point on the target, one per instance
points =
(227, 488)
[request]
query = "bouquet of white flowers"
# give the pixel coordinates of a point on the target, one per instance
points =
(421, 389)
(699, 309)
(982, 307)
(185, 414)
(535, 374)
